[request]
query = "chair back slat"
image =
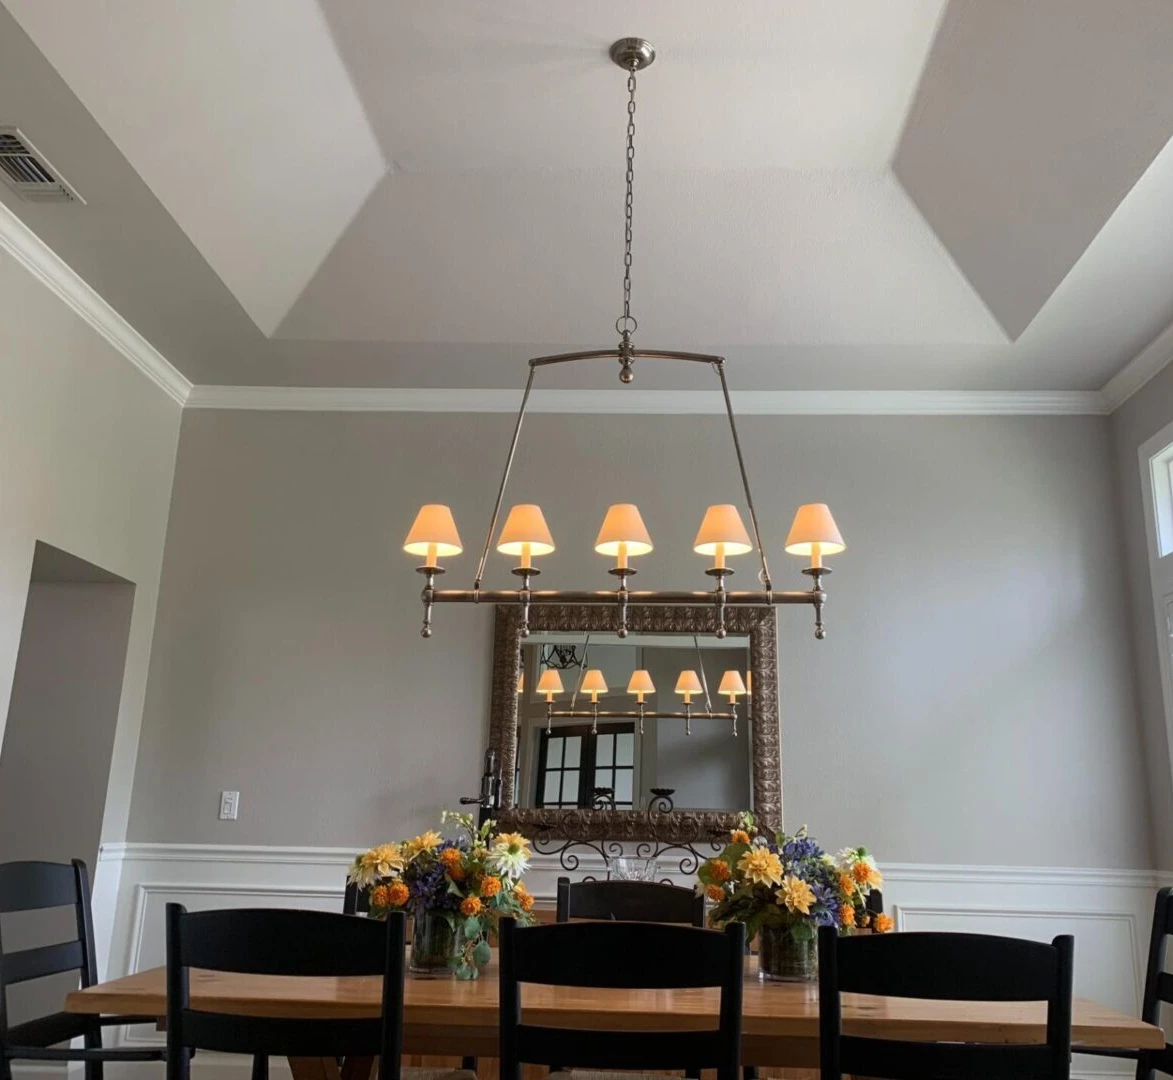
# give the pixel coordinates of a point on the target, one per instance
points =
(36, 963)
(356, 900)
(282, 942)
(1165, 987)
(659, 956)
(33, 886)
(931, 1061)
(621, 955)
(278, 1036)
(632, 901)
(622, 1050)
(948, 967)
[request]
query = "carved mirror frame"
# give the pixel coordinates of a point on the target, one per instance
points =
(674, 826)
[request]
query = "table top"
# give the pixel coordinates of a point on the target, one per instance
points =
(770, 1010)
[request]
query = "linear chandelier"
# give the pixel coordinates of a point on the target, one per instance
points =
(623, 535)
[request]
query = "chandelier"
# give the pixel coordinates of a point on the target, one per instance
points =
(623, 535)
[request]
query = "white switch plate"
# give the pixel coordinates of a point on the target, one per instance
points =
(229, 804)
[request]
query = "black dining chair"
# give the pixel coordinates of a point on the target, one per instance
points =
(38, 886)
(1158, 990)
(621, 955)
(629, 901)
(286, 942)
(944, 967)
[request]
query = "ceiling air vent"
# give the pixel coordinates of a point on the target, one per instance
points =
(28, 173)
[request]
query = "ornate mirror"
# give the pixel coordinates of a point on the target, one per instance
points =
(676, 768)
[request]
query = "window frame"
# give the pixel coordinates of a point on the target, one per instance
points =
(587, 763)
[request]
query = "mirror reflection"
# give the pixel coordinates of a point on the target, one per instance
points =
(612, 723)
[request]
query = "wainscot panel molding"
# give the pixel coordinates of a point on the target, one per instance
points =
(656, 402)
(1108, 911)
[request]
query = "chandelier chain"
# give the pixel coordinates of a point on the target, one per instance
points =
(627, 324)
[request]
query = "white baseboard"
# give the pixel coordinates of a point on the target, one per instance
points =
(1108, 911)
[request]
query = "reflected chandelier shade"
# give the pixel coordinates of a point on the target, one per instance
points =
(623, 534)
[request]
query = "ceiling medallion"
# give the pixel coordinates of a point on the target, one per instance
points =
(623, 535)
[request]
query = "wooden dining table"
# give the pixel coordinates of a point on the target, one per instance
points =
(445, 1016)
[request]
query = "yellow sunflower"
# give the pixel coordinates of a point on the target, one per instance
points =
(796, 895)
(426, 841)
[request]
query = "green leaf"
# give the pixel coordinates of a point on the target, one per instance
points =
(803, 931)
(482, 954)
(472, 927)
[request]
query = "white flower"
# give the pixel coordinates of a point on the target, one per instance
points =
(509, 855)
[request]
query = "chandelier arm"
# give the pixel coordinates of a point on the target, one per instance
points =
(700, 663)
(476, 585)
(650, 598)
(753, 513)
(636, 354)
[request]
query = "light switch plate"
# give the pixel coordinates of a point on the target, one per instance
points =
(229, 805)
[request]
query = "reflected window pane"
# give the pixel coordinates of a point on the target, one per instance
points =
(625, 749)
(605, 750)
(623, 785)
(570, 786)
(554, 753)
(573, 751)
(604, 778)
(550, 794)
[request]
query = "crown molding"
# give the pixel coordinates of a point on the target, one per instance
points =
(1149, 362)
(49, 268)
(652, 402)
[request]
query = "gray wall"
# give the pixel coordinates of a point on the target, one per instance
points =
(972, 703)
(87, 453)
(1133, 424)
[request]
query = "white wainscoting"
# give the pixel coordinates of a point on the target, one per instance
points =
(1108, 911)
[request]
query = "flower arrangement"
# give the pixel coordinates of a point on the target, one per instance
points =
(786, 887)
(467, 883)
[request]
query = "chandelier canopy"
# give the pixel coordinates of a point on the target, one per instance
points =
(623, 535)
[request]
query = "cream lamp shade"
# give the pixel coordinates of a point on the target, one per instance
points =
(550, 683)
(594, 684)
(521, 683)
(433, 534)
(525, 533)
(688, 684)
(722, 533)
(814, 533)
(731, 685)
(640, 684)
(623, 533)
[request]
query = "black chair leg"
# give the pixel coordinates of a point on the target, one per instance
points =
(260, 1067)
(94, 1070)
(750, 1072)
(469, 1063)
(5, 1068)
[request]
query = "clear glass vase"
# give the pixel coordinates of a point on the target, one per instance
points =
(783, 958)
(433, 945)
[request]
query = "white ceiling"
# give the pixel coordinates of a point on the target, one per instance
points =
(847, 195)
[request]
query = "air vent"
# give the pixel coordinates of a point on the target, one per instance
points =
(28, 173)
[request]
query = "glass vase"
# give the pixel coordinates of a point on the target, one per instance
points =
(783, 958)
(433, 945)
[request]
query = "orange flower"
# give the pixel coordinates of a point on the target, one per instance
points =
(715, 893)
(470, 905)
(739, 836)
(450, 857)
(846, 884)
(719, 870)
(381, 896)
(847, 915)
(457, 874)
(524, 900)
(866, 874)
(883, 924)
(491, 886)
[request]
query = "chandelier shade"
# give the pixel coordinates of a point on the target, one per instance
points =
(623, 532)
(550, 684)
(433, 534)
(525, 532)
(814, 533)
(731, 685)
(722, 532)
(594, 684)
(688, 684)
(640, 684)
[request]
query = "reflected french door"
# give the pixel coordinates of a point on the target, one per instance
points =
(578, 769)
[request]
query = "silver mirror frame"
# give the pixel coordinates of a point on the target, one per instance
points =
(684, 825)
